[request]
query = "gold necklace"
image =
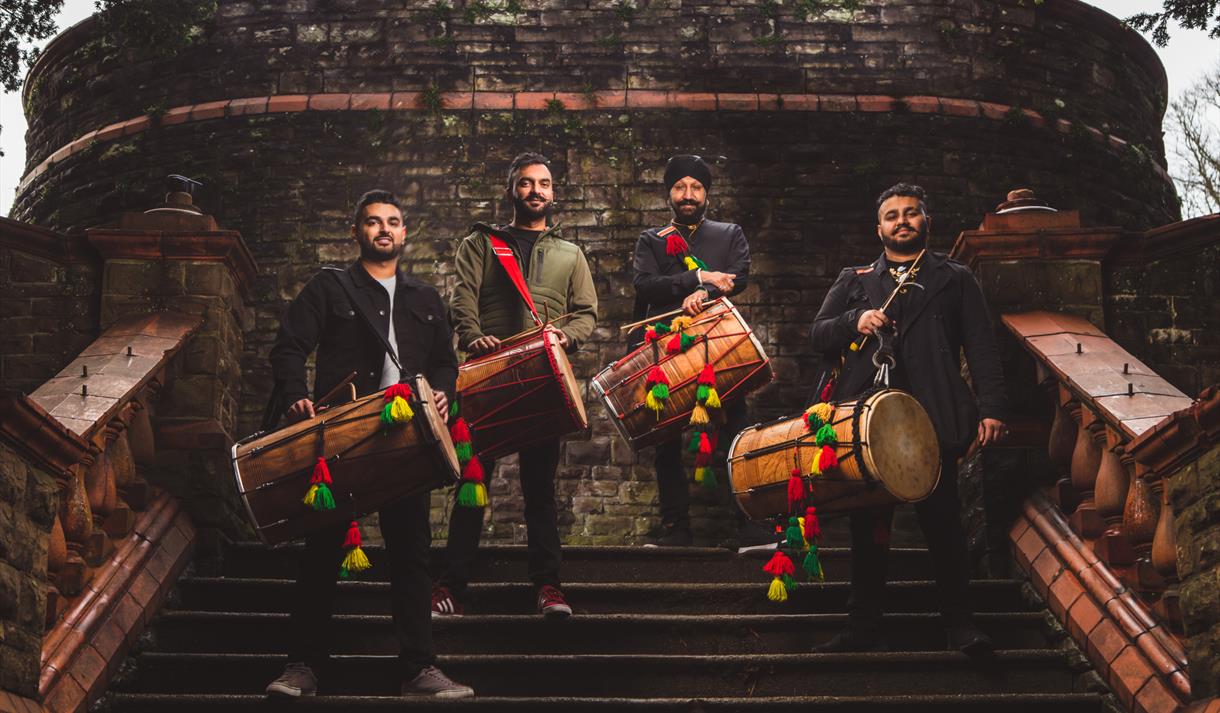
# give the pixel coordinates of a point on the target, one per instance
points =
(897, 273)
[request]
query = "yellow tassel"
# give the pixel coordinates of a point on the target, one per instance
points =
(653, 403)
(698, 416)
(814, 467)
(480, 495)
(680, 323)
(400, 410)
(356, 561)
(699, 475)
(310, 495)
(823, 411)
(778, 592)
(713, 398)
(690, 263)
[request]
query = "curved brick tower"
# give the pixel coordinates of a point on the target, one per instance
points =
(288, 112)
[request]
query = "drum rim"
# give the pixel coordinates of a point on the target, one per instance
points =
(576, 402)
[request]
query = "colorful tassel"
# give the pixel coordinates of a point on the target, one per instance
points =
(675, 244)
(796, 489)
(674, 345)
(826, 436)
(355, 560)
(828, 389)
(779, 567)
(460, 433)
(827, 459)
(693, 263)
(705, 443)
(396, 391)
(705, 475)
(472, 493)
(657, 384)
(813, 528)
(318, 496)
(713, 399)
(818, 415)
(698, 416)
(693, 446)
(651, 335)
(397, 411)
(795, 538)
(680, 322)
(812, 565)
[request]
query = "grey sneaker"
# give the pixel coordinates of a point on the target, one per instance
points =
(297, 680)
(433, 683)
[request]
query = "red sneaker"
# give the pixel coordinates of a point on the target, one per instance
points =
(443, 603)
(551, 603)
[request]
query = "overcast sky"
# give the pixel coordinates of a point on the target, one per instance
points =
(1188, 56)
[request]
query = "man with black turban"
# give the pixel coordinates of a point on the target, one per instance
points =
(684, 264)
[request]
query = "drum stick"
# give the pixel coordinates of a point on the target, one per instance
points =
(539, 328)
(857, 346)
(655, 317)
(338, 387)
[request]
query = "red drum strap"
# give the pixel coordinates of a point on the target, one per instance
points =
(508, 260)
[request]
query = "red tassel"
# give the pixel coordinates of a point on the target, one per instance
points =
(402, 390)
(707, 377)
(827, 459)
(675, 245)
(796, 489)
(321, 473)
(827, 389)
(460, 432)
(656, 375)
(779, 565)
(813, 529)
(705, 443)
(651, 335)
(353, 535)
(473, 471)
(674, 345)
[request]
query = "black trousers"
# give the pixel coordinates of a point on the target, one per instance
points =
(673, 483)
(941, 522)
(538, 464)
(408, 537)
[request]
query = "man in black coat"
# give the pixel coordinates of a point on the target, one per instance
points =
(387, 327)
(928, 329)
(665, 281)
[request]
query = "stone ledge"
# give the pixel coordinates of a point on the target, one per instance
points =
(55, 246)
(34, 433)
(224, 246)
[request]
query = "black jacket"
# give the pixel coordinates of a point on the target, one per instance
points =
(322, 316)
(934, 325)
(662, 282)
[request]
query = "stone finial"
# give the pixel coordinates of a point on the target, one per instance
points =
(1022, 198)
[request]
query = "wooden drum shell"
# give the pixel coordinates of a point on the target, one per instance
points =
(740, 362)
(522, 394)
(899, 459)
(378, 465)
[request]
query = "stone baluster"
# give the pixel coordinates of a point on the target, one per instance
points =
(77, 521)
(57, 559)
(1061, 445)
(1140, 520)
(1165, 560)
(1113, 484)
(1086, 461)
(121, 519)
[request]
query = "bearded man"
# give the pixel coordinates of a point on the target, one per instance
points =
(928, 328)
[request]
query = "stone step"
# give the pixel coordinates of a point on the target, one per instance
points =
(355, 597)
(508, 563)
(976, 703)
(892, 673)
(222, 632)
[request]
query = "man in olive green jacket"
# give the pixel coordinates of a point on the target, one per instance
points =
(485, 308)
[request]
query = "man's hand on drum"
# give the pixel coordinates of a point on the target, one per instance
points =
(300, 411)
(991, 431)
(560, 337)
(693, 304)
(442, 404)
(871, 321)
(722, 281)
(484, 345)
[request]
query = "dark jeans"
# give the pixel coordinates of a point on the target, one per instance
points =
(538, 464)
(673, 482)
(408, 536)
(940, 519)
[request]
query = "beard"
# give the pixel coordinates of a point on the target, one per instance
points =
(910, 245)
(373, 253)
(522, 210)
(688, 211)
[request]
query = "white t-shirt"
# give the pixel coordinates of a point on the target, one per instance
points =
(389, 373)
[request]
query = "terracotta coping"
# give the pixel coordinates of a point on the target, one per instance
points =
(36, 434)
(1186, 237)
(112, 369)
(1142, 662)
(225, 246)
(630, 99)
(975, 246)
(1123, 391)
(124, 595)
(1183, 436)
(50, 244)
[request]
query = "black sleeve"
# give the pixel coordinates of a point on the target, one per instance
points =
(834, 328)
(982, 354)
(300, 330)
(442, 360)
(738, 264)
(651, 284)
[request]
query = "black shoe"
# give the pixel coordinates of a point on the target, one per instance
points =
(676, 535)
(970, 641)
(852, 640)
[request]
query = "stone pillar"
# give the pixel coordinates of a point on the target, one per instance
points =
(175, 257)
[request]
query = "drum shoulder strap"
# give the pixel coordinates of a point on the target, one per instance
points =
(344, 279)
(508, 260)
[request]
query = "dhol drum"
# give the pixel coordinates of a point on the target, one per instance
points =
(520, 395)
(720, 337)
(887, 452)
(371, 464)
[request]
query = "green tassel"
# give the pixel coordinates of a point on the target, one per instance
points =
(660, 392)
(323, 498)
(699, 263)
(795, 538)
(693, 446)
(465, 451)
(709, 477)
(343, 573)
(826, 436)
(453, 409)
(387, 417)
(812, 565)
(701, 392)
(688, 340)
(472, 495)
(789, 583)
(661, 327)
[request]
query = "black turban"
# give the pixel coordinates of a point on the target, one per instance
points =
(684, 165)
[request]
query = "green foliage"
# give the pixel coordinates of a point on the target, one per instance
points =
(477, 10)
(816, 9)
(23, 22)
(609, 41)
(554, 106)
(1188, 14)
(767, 40)
(430, 99)
(625, 10)
(150, 28)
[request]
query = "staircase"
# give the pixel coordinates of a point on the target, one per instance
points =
(684, 629)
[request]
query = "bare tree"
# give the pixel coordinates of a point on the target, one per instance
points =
(1192, 126)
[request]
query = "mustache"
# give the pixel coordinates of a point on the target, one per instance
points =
(691, 203)
(535, 197)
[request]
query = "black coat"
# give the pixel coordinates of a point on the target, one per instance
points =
(323, 317)
(935, 325)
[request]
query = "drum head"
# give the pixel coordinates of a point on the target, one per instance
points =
(564, 367)
(902, 448)
(436, 424)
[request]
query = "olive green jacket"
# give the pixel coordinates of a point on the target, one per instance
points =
(485, 302)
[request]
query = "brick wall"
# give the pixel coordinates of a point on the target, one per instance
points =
(27, 507)
(1194, 493)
